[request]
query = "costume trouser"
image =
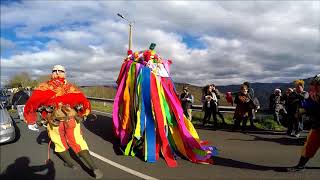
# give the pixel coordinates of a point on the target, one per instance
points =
(68, 133)
(312, 144)
(20, 109)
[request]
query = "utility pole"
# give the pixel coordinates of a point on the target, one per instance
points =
(130, 23)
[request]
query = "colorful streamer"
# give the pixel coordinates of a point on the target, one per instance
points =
(147, 114)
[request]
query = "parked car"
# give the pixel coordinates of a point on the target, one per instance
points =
(7, 130)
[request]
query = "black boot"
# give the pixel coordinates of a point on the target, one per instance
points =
(301, 165)
(84, 154)
(68, 162)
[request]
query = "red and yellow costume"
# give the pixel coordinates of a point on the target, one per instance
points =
(57, 92)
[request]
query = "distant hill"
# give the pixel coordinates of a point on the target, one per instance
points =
(262, 91)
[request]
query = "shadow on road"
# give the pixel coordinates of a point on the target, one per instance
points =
(102, 126)
(281, 140)
(21, 169)
(229, 127)
(220, 161)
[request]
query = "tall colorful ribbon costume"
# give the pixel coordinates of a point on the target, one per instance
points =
(147, 114)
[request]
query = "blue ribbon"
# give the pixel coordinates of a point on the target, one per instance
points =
(150, 126)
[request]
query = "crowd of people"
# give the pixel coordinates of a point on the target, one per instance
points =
(246, 107)
(288, 108)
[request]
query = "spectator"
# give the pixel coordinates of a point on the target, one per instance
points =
(217, 93)
(253, 106)
(312, 106)
(186, 101)
(276, 105)
(209, 100)
(295, 100)
(19, 100)
(241, 113)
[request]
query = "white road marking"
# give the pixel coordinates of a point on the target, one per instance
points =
(117, 165)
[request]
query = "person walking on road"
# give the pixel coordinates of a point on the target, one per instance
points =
(312, 107)
(19, 100)
(63, 106)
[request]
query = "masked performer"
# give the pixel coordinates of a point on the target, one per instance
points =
(62, 107)
(147, 114)
(312, 107)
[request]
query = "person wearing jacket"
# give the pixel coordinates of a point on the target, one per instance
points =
(277, 105)
(186, 102)
(210, 104)
(217, 93)
(312, 108)
(19, 100)
(58, 100)
(242, 111)
(294, 104)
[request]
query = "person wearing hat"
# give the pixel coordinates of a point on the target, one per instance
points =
(62, 106)
(312, 107)
(186, 102)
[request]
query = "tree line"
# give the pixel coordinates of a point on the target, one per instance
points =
(25, 80)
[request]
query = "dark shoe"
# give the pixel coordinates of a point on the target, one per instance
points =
(295, 169)
(97, 173)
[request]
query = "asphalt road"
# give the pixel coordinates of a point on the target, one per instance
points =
(255, 155)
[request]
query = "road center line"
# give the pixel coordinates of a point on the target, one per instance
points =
(117, 165)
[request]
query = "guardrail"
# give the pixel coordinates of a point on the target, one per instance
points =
(194, 107)
(222, 109)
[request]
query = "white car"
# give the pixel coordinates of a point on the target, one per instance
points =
(7, 130)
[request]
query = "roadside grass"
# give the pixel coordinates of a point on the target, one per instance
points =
(264, 122)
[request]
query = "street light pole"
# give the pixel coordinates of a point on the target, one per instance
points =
(130, 30)
(130, 36)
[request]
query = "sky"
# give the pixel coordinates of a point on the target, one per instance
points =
(221, 42)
